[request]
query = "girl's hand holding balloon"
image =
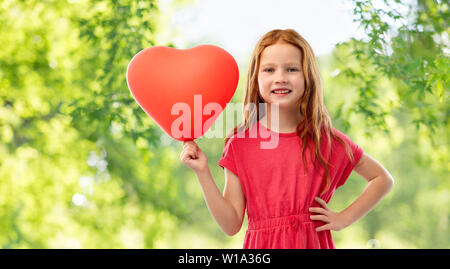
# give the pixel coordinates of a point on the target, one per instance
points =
(193, 157)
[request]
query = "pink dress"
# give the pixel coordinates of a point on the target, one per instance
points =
(279, 190)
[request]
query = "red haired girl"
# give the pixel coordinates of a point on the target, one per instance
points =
(285, 188)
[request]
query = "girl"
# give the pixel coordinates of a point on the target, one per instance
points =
(286, 189)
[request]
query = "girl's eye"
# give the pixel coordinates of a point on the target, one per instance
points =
(293, 69)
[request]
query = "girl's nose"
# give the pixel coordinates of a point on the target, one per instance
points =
(280, 77)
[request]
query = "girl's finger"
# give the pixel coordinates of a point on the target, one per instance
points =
(192, 154)
(323, 228)
(190, 150)
(188, 153)
(321, 202)
(191, 147)
(189, 143)
(320, 217)
(318, 210)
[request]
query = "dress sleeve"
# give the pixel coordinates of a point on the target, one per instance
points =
(228, 157)
(347, 164)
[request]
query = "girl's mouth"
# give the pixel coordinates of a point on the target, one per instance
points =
(281, 92)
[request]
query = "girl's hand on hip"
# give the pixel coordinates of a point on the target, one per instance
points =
(335, 221)
(193, 157)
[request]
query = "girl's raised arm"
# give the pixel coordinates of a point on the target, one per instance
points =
(227, 209)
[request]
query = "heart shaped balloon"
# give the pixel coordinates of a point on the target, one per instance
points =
(183, 91)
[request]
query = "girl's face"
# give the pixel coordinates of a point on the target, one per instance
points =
(280, 68)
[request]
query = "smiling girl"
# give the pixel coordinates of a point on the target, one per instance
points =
(285, 189)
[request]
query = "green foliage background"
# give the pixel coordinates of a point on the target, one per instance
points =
(82, 166)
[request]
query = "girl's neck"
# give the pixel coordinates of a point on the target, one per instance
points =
(287, 120)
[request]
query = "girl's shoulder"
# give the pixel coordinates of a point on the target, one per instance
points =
(336, 132)
(348, 142)
(241, 139)
(340, 134)
(338, 140)
(236, 139)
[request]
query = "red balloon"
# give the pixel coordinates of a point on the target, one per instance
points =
(183, 91)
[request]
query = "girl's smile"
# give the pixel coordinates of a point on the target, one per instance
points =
(281, 91)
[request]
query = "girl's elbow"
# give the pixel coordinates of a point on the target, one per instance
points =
(233, 226)
(232, 232)
(389, 182)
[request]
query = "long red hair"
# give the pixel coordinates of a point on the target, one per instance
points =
(315, 118)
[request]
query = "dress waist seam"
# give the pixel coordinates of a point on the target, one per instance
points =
(268, 223)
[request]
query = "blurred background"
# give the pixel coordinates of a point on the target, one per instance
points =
(82, 166)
